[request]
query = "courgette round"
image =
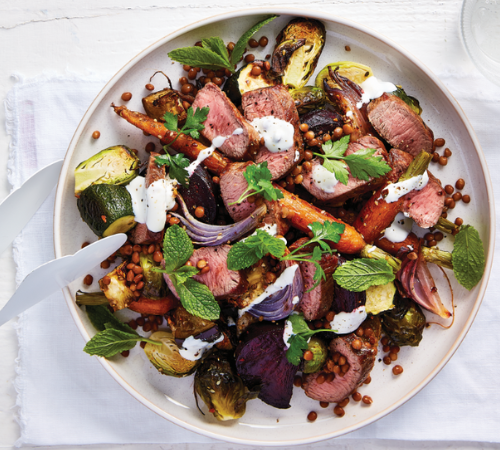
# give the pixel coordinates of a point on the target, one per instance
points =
(106, 209)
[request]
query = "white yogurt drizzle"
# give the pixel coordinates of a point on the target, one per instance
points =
(193, 349)
(324, 179)
(204, 154)
(397, 190)
(277, 133)
(347, 322)
(150, 205)
(400, 228)
(374, 88)
(284, 280)
(287, 333)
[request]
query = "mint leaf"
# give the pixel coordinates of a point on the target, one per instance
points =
(239, 48)
(171, 121)
(185, 272)
(199, 57)
(100, 315)
(110, 342)
(359, 274)
(246, 253)
(198, 300)
(468, 257)
(216, 45)
(177, 248)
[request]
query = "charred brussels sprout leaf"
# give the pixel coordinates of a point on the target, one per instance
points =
(184, 324)
(220, 388)
(412, 102)
(298, 48)
(166, 358)
(405, 323)
(154, 284)
(351, 70)
(117, 292)
(308, 98)
(161, 102)
(114, 165)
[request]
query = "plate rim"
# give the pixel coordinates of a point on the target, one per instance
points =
(237, 13)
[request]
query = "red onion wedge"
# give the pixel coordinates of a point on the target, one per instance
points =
(213, 235)
(418, 285)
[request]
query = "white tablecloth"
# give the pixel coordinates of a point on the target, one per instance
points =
(463, 396)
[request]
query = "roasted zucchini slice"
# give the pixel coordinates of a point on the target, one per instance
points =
(353, 71)
(106, 209)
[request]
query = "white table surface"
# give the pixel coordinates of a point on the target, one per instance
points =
(100, 36)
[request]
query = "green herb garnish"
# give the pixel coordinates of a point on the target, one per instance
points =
(258, 177)
(213, 54)
(362, 163)
(100, 316)
(468, 257)
(111, 341)
(177, 167)
(359, 274)
(246, 253)
(195, 297)
(298, 340)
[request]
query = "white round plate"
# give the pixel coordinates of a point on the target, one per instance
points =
(172, 398)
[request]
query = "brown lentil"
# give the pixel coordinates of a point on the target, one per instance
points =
(344, 402)
(106, 280)
(432, 243)
(435, 157)
(249, 58)
(356, 344)
(312, 416)
(339, 411)
(150, 147)
(201, 264)
(457, 196)
(150, 87)
(313, 142)
(187, 88)
(147, 327)
(126, 96)
(327, 138)
(183, 81)
(321, 378)
(308, 155)
(173, 221)
(393, 356)
(444, 215)
(308, 355)
(449, 189)
(297, 381)
(347, 48)
(356, 396)
(157, 256)
(136, 258)
(88, 280)
(367, 400)
(105, 265)
(324, 404)
(460, 183)
(386, 348)
(439, 142)
(96, 134)
(443, 160)
(256, 71)
(387, 360)
(309, 135)
(216, 180)
(267, 66)
(466, 198)
(199, 212)
(412, 256)
(397, 370)
(395, 349)
(338, 133)
(448, 201)
(192, 74)
(447, 152)
(299, 179)
(125, 353)
(438, 236)
(304, 127)
(263, 41)
(459, 221)
(253, 43)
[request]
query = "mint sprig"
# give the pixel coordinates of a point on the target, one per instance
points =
(362, 164)
(100, 316)
(213, 54)
(195, 297)
(359, 274)
(298, 340)
(468, 257)
(258, 177)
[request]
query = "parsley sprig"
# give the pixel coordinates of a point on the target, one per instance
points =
(362, 163)
(213, 54)
(258, 177)
(246, 253)
(114, 336)
(195, 297)
(194, 124)
(298, 340)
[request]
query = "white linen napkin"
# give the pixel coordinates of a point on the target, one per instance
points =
(65, 397)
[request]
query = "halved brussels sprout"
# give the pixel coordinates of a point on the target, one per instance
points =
(222, 390)
(117, 292)
(166, 358)
(405, 323)
(114, 165)
(184, 324)
(298, 48)
(166, 100)
(380, 298)
(244, 81)
(320, 352)
(353, 71)
(154, 283)
(308, 98)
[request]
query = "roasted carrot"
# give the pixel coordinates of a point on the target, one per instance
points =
(215, 163)
(157, 307)
(299, 212)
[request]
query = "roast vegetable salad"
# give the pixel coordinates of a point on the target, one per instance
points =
(271, 233)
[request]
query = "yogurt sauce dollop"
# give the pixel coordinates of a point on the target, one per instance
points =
(277, 133)
(324, 178)
(400, 228)
(373, 88)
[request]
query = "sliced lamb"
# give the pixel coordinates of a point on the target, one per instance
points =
(425, 206)
(154, 171)
(355, 186)
(395, 121)
(274, 216)
(399, 161)
(232, 185)
(275, 101)
(219, 279)
(316, 303)
(223, 119)
(360, 363)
